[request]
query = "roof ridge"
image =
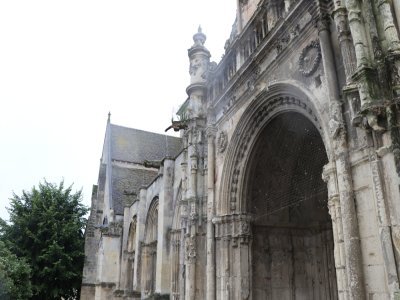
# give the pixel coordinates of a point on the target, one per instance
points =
(145, 131)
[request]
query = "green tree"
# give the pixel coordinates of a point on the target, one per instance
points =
(46, 228)
(15, 281)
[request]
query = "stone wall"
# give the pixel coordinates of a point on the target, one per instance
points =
(242, 211)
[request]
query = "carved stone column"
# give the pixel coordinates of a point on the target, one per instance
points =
(210, 215)
(330, 177)
(346, 194)
(191, 247)
(391, 34)
(175, 264)
(357, 32)
(345, 41)
(233, 233)
(190, 293)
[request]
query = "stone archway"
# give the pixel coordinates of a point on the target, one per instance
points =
(292, 242)
(237, 220)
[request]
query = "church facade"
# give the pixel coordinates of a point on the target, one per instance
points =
(284, 183)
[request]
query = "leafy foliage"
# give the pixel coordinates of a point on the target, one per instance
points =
(14, 276)
(46, 228)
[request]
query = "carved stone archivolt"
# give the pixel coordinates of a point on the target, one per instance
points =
(310, 58)
(256, 122)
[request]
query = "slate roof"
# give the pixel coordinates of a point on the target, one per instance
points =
(133, 145)
(127, 180)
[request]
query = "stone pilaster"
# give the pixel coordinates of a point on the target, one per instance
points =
(346, 194)
(330, 177)
(384, 228)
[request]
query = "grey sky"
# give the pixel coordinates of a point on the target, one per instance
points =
(65, 64)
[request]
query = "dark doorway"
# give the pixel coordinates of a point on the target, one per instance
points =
(292, 248)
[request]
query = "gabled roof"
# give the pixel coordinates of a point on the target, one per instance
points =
(133, 145)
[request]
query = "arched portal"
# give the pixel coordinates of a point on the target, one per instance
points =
(272, 219)
(292, 241)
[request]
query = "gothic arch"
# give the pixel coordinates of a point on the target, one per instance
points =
(131, 250)
(152, 222)
(132, 236)
(287, 96)
(149, 249)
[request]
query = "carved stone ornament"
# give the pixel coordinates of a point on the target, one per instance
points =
(310, 59)
(395, 73)
(191, 249)
(222, 141)
(194, 66)
(335, 124)
(112, 229)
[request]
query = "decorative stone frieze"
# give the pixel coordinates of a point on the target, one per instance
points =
(236, 227)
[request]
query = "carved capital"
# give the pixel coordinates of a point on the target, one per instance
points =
(342, 24)
(211, 131)
(236, 226)
(323, 22)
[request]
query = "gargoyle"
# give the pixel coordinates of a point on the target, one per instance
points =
(177, 125)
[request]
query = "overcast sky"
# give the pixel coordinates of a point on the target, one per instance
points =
(65, 64)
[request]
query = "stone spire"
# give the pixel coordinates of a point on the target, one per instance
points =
(199, 38)
(199, 58)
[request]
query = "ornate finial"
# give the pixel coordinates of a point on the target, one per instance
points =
(199, 38)
(109, 116)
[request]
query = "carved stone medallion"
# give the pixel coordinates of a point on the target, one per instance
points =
(310, 59)
(222, 141)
